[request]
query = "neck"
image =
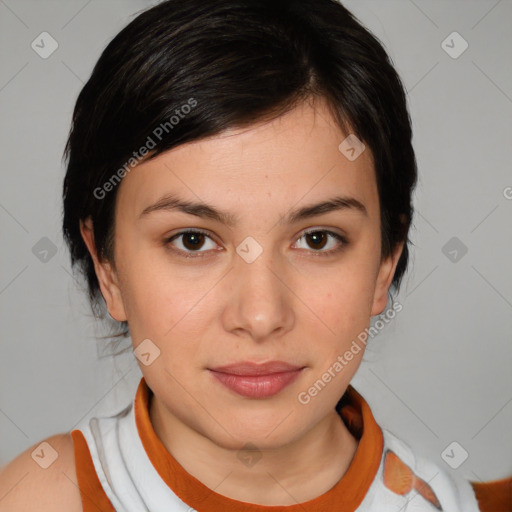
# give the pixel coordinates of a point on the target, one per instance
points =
(297, 472)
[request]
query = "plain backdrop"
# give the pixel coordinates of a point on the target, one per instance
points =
(439, 373)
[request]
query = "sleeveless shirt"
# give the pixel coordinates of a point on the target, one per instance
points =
(123, 466)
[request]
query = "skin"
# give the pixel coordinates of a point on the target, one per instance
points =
(290, 304)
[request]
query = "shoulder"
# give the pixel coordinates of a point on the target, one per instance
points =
(43, 477)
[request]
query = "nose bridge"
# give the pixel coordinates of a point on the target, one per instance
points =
(255, 272)
(260, 301)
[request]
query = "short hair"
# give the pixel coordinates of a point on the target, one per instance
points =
(232, 63)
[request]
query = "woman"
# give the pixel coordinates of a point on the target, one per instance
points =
(238, 196)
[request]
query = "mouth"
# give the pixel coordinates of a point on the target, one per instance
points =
(253, 380)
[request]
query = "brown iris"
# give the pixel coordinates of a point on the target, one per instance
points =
(193, 240)
(318, 237)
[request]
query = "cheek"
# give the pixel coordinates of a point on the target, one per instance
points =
(345, 299)
(343, 305)
(162, 300)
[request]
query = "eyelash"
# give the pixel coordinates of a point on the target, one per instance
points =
(199, 254)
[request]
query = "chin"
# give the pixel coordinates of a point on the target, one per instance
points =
(269, 435)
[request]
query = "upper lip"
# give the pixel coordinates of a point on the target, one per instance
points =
(251, 368)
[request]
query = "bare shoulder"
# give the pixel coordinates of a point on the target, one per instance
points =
(42, 478)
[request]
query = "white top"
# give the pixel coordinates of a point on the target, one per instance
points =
(132, 483)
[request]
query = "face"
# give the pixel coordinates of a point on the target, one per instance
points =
(256, 276)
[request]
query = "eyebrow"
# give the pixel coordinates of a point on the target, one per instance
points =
(172, 203)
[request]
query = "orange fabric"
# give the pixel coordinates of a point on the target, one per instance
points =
(346, 495)
(494, 496)
(93, 496)
(399, 478)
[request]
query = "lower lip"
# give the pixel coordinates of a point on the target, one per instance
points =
(257, 386)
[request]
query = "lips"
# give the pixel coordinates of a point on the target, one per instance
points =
(257, 380)
(250, 368)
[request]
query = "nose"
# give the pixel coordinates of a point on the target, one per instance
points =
(260, 305)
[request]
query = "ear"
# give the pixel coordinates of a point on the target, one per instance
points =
(384, 279)
(106, 275)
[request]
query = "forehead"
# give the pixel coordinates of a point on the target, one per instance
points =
(295, 158)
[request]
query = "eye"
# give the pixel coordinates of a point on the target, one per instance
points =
(191, 241)
(319, 238)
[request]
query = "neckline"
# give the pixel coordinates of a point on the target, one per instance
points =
(347, 494)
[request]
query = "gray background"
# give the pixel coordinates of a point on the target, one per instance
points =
(440, 372)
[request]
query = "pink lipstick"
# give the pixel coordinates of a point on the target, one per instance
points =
(253, 380)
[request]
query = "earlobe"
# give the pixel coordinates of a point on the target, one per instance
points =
(106, 275)
(384, 280)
